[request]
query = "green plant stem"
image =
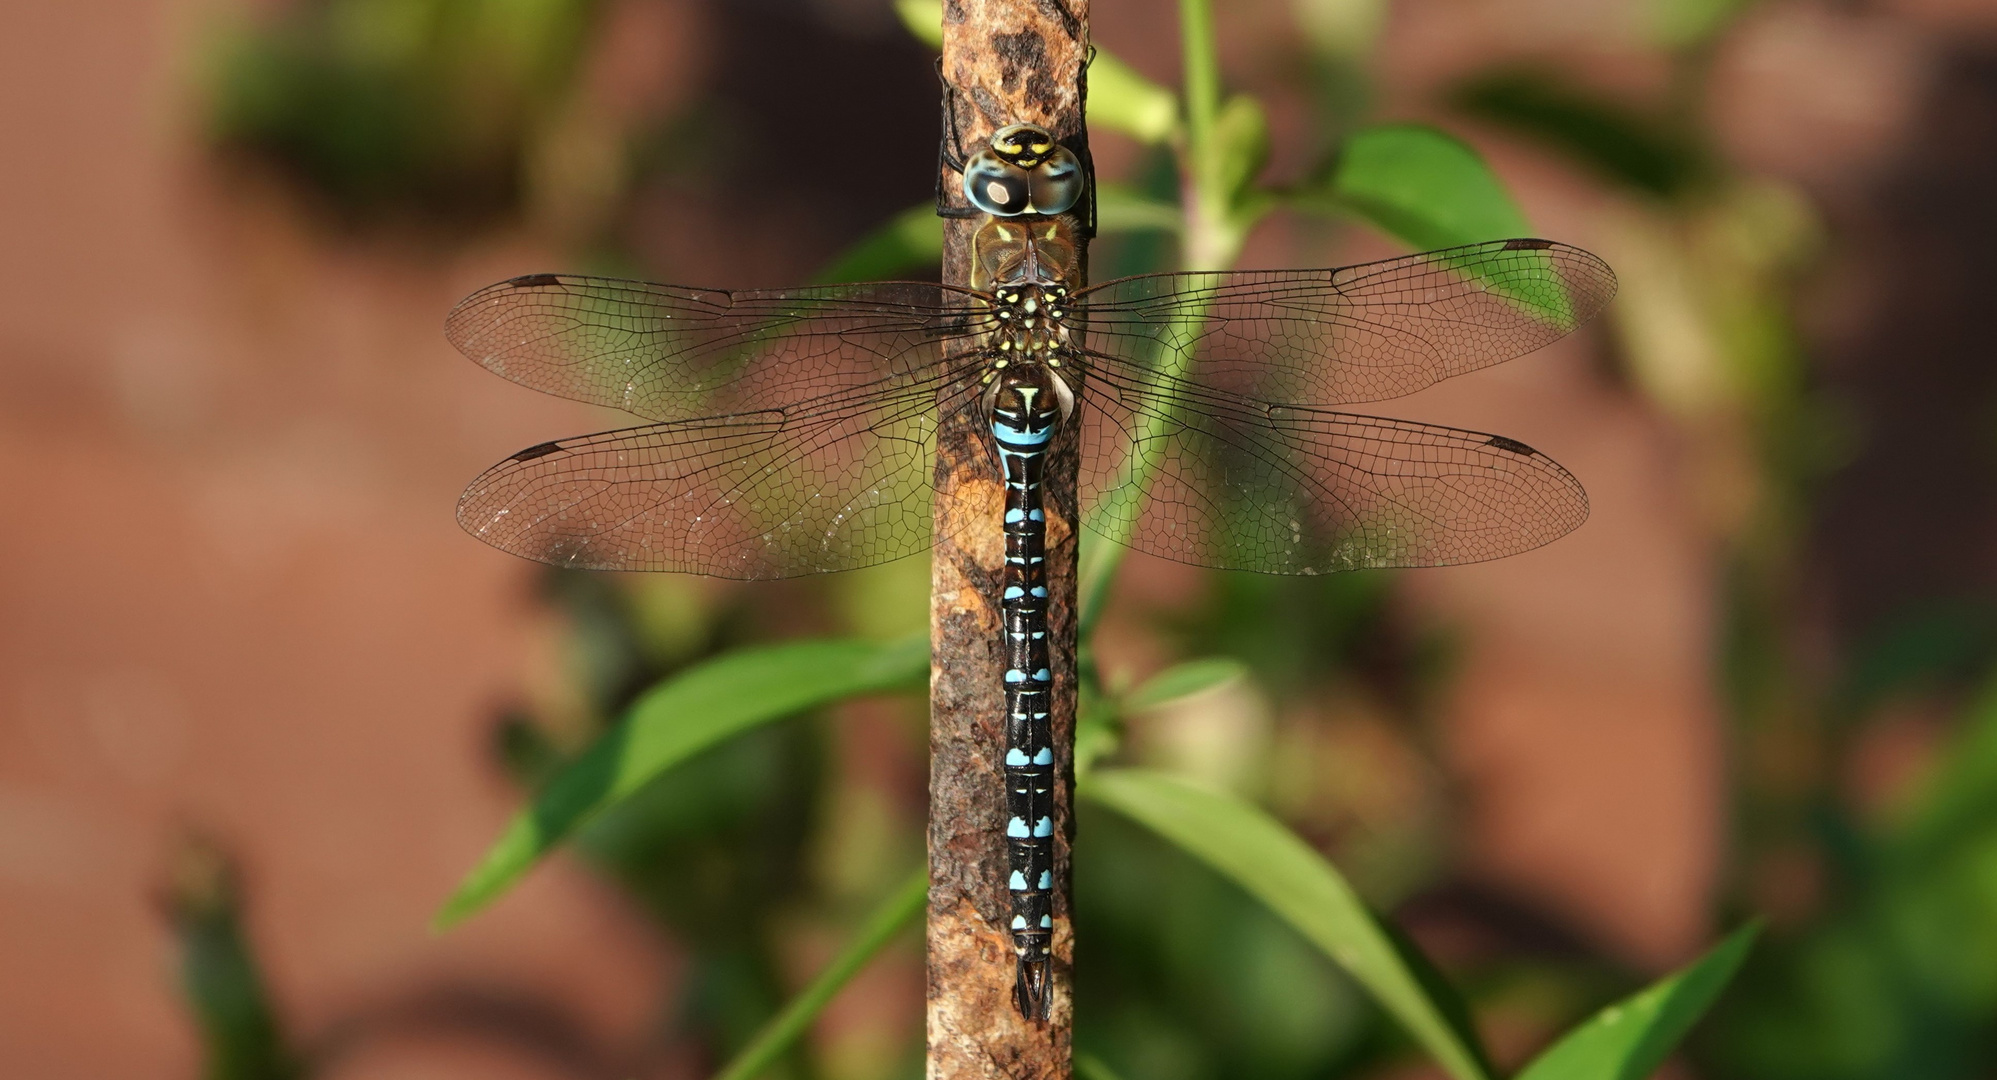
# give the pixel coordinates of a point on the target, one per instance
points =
(1211, 241)
(1202, 76)
(896, 912)
(1105, 541)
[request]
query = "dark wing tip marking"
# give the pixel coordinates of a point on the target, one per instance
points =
(536, 451)
(1512, 445)
(1527, 243)
(534, 281)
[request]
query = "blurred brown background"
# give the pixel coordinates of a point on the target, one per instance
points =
(237, 607)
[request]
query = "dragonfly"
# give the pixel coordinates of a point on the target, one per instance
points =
(791, 431)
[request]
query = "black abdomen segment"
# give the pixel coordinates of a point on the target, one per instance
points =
(1023, 417)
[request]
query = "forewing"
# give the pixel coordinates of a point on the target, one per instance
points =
(1349, 334)
(667, 352)
(1284, 490)
(831, 484)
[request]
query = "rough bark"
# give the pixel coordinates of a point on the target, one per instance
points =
(1011, 61)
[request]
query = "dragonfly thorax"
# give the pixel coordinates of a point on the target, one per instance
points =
(1032, 326)
(1040, 252)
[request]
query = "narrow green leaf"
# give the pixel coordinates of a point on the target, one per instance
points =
(1422, 185)
(676, 720)
(912, 241)
(1184, 680)
(1630, 1039)
(896, 912)
(1122, 99)
(1257, 853)
(1446, 998)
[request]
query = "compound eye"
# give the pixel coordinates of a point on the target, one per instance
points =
(995, 187)
(1056, 186)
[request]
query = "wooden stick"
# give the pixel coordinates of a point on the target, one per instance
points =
(1009, 61)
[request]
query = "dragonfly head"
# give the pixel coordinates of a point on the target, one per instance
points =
(1024, 171)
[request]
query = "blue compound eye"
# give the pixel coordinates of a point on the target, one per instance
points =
(995, 187)
(1056, 186)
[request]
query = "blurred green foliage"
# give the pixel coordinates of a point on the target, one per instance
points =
(1181, 974)
(1622, 146)
(1894, 972)
(422, 107)
(241, 1035)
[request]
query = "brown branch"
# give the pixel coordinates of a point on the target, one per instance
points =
(1010, 61)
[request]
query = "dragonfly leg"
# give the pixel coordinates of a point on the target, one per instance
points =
(950, 151)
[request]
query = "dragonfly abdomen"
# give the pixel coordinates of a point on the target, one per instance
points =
(1025, 410)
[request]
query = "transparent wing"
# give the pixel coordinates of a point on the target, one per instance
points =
(835, 483)
(1188, 475)
(668, 352)
(1350, 334)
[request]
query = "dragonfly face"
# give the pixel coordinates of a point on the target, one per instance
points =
(1024, 171)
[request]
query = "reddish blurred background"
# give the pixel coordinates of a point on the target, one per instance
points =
(237, 607)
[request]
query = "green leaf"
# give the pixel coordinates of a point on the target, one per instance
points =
(1421, 185)
(776, 1037)
(220, 976)
(1683, 24)
(1184, 680)
(923, 19)
(1090, 1067)
(1240, 148)
(1256, 852)
(676, 720)
(1445, 997)
(1630, 1039)
(1097, 729)
(1122, 99)
(1617, 143)
(912, 241)
(1122, 209)
(1343, 29)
